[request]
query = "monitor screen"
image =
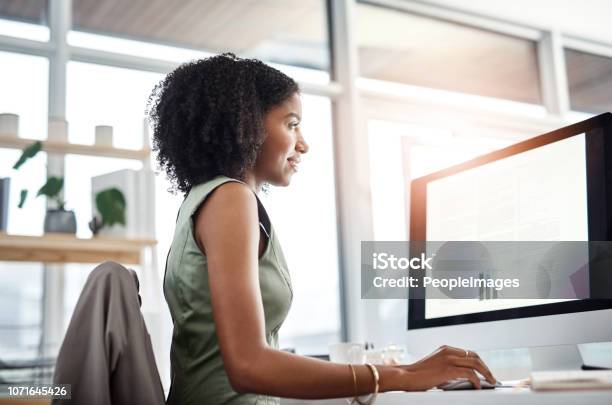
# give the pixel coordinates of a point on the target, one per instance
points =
(537, 195)
(553, 187)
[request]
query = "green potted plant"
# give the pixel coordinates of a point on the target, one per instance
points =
(110, 203)
(56, 219)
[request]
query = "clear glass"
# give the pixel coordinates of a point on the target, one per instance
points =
(24, 19)
(400, 153)
(177, 54)
(24, 91)
(24, 84)
(401, 47)
(291, 32)
(133, 47)
(104, 95)
(304, 217)
(21, 286)
(590, 81)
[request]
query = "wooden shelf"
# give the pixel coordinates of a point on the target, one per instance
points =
(62, 248)
(7, 141)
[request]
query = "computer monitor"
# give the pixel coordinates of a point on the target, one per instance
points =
(560, 184)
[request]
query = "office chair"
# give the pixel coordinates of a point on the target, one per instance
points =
(106, 355)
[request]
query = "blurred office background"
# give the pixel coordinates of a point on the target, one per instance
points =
(392, 90)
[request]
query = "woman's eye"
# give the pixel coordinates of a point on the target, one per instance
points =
(294, 125)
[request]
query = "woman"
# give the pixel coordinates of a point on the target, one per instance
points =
(223, 128)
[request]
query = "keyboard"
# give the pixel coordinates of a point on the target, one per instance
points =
(571, 380)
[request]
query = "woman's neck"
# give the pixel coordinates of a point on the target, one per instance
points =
(253, 182)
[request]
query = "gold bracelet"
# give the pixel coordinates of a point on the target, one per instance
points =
(373, 395)
(354, 384)
(376, 377)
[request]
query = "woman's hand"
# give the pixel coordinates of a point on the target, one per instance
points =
(446, 363)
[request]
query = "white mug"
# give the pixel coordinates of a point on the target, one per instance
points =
(345, 353)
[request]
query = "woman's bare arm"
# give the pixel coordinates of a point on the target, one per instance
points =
(227, 226)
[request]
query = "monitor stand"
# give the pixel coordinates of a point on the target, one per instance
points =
(564, 357)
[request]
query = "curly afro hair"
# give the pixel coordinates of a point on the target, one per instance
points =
(207, 117)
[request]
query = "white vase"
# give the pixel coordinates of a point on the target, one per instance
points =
(104, 135)
(9, 124)
(58, 130)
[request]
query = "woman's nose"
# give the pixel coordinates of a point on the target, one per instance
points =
(302, 146)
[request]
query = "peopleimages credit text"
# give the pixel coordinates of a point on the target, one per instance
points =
(486, 270)
(386, 261)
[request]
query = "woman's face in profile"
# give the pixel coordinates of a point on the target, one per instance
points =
(283, 145)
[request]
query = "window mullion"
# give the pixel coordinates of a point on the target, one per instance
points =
(553, 75)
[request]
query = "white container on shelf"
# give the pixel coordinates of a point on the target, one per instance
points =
(9, 124)
(104, 135)
(58, 130)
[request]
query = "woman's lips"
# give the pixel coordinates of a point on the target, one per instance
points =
(294, 163)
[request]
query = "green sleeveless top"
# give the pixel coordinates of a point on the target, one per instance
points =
(198, 373)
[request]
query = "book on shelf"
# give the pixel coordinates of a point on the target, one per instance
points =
(4, 202)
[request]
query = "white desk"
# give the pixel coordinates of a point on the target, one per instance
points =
(499, 396)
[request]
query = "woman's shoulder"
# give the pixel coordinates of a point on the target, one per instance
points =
(220, 186)
(231, 193)
(229, 209)
(221, 191)
(224, 194)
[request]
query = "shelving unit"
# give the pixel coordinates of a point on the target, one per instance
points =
(62, 248)
(62, 148)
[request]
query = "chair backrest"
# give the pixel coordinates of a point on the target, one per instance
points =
(106, 354)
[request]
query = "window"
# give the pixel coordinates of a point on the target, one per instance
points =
(590, 81)
(402, 152)
(24, 19)
(104, 95)
(20, 318)
(24, 84)
(92, 100)
(293, 39)
(291, 32)
(304, 216)
(401, 47)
